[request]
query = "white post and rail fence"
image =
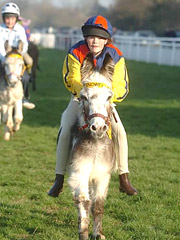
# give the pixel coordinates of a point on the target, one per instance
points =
(160, 50)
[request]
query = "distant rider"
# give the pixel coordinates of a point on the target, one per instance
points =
(12, 32)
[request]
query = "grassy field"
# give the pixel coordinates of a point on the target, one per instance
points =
(151, 116)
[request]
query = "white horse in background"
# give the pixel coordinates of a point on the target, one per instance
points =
(92, 156)
(11, 90)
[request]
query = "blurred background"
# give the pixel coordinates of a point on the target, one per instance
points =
(127, 16)
(144, 30)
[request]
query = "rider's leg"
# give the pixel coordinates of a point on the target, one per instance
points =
(69, 118)
(1, 69)
(25, 80)
(28, 61)
(121, 149)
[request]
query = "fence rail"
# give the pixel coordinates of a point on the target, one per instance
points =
(164, 51)
(155, 50)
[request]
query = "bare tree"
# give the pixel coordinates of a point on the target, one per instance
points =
(156, 15)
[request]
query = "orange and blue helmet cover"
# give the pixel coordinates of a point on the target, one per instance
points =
(97, 26)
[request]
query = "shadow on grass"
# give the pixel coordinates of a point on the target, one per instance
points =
(46, 113)
(151, 121)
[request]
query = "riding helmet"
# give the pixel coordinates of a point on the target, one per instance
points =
(10, 10)
(97, 26)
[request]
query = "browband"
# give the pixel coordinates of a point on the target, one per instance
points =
(14, 55)
(96, 84)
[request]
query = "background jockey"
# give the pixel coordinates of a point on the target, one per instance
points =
(97, 32)
(25, 23)
(13, 32)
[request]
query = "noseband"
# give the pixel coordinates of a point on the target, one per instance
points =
(106, 119)
(88, 118)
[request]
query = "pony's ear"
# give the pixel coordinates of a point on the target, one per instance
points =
(108, 67)
(20, 46)
(7, 47)
(87, 66)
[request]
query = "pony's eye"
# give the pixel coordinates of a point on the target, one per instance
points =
(109, 98)
(84, 98)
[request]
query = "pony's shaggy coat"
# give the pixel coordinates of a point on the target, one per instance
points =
(92, 156)
(11, 90)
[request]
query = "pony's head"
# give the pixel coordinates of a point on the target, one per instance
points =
(14, 63)
(96, 94)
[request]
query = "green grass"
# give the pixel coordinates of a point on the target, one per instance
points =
(151, 117)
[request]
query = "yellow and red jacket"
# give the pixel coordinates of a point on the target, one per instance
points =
(73, 62)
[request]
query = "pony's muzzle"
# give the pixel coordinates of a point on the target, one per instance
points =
(12, 79)
(99, 131)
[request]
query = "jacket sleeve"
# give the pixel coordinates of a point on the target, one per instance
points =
(120, 85)
(23, 38)
(72, 75)
(2, 49)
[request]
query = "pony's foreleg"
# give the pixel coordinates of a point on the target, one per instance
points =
(79, 184)
(4, 109)
(83, 207)
(18, 114)
(0, 114)
(97, 212)
(8, 120)
(100, 192)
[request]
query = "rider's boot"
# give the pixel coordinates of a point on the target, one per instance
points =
(57, 188)
(27, 104)
(125, 185)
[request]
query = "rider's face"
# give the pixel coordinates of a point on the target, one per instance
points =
(96, 44)
(10, 22)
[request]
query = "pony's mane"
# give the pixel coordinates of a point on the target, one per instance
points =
(88, 68)
(108, 67)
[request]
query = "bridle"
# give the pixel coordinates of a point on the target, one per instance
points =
(19, 77)
(106, 119)
(87, 118)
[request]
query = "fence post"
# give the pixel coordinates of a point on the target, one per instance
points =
(160, 55)
(148, 51)
(173, 53)
(137, 49)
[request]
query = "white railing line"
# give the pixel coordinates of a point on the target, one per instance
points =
(160, 50)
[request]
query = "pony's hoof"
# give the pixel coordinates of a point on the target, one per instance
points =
(16, 128)
(99, 236)
(7, 136)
